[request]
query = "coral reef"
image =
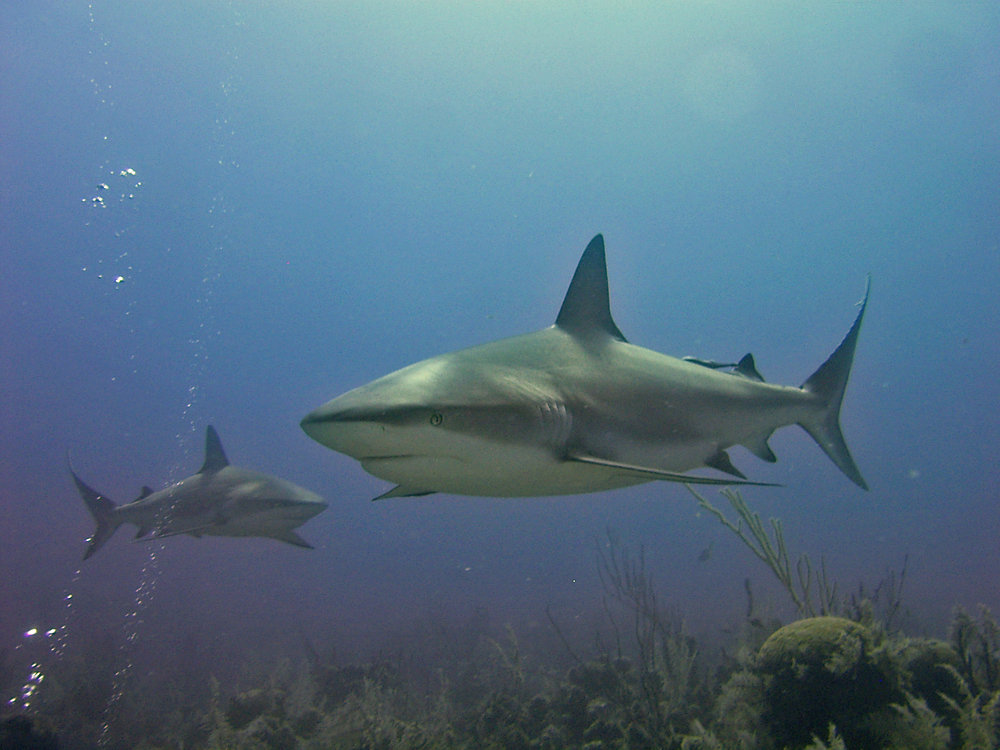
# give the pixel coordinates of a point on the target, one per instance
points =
(819, 682)
(840, 676)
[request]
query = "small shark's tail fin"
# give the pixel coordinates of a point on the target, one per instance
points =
(829, 383)
(103, 511)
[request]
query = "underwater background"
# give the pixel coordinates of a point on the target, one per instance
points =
(227, 213)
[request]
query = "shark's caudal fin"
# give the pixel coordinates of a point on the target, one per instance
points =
(103, 511)
(829, 383)
(586, 309)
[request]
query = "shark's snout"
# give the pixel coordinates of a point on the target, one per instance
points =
(351, 430)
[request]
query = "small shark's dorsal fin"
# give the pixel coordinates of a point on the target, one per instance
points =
(145, 492)
(215, 457)
(586, 309)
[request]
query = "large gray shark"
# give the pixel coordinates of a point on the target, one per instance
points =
(575, 408)
(220, 500)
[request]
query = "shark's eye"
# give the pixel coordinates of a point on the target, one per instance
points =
(436, 418)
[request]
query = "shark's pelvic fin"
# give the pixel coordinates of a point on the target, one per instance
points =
(215, 457)
(586, 309)
(667, 476)
(103, 511)
(829, 383)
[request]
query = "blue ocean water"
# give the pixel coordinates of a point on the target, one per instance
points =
(227, 213)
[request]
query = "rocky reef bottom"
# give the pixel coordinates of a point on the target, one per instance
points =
(817, 682)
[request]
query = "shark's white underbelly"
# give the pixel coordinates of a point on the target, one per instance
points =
(500, 471)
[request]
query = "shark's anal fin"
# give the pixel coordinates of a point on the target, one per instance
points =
(667, 476)
(722, 462)
(759, 447)
(401, 491)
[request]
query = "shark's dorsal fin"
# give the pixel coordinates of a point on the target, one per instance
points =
(215, 457)
(586, 309)
(145, 492)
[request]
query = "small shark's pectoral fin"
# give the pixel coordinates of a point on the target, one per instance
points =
(722, 462)
(401, 491)
(667, 476)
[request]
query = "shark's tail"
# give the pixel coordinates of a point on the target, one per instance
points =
(103, 511)
(829, 383)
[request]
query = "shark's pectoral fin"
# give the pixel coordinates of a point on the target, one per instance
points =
(401, 491)
(666, 476)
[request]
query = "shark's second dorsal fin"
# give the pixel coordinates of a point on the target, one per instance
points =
(215, 457)
(747, 368)
(586, 309)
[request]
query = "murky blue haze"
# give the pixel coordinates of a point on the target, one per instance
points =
(324, 192)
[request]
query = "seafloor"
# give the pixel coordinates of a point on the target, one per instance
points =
(841, 673)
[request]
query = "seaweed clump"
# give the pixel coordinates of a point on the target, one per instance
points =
(842, 673)
(822, 670)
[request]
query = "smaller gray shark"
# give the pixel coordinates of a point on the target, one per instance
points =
(220, 500)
